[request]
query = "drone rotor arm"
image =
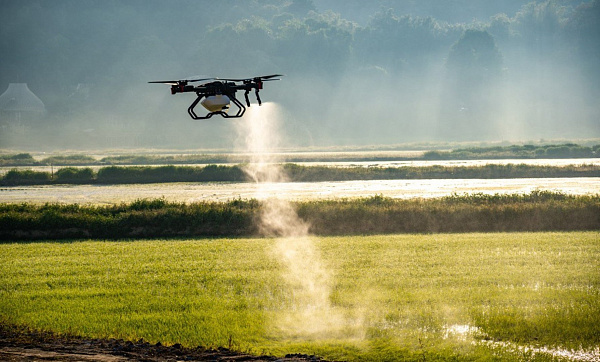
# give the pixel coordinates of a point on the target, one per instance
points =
(169, 82)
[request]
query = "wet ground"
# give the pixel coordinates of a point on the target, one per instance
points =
(21, 344)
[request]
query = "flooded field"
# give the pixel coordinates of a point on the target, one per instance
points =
(224, 191)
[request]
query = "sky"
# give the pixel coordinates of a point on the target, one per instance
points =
(356, 73)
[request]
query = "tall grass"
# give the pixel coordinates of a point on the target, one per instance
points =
(537, 211)
(142, 218)
(402, 297)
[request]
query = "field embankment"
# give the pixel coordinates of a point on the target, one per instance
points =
(292, 172)
(537, 211)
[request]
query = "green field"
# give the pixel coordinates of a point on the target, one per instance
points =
(419, 297)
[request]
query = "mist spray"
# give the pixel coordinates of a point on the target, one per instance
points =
(307, 279)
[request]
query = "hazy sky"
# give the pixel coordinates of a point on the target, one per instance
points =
(377, 72)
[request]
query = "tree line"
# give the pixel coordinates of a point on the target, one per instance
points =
(90, 58)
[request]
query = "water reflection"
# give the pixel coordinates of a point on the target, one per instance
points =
(191, 192)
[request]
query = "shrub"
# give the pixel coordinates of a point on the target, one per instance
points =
(20, 159)
(581, 152)
(435, 155)
(114, 174)
(558, 151)
(75, 175)
(69, 160)
(25, 177)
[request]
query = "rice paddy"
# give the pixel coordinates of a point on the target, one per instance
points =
(441, 296)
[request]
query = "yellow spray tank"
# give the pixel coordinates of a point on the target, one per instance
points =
(216, 103)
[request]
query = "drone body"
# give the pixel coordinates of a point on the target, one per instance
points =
(217, 95)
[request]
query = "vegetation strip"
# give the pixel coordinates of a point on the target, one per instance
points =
(294, 173)
(568, 150)
(537, 211)
(551, 151)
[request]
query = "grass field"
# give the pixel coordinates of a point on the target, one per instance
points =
(414, 297)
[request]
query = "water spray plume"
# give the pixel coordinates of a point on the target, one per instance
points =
(307, 280)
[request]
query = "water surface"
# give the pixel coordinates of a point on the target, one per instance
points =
(224, 191)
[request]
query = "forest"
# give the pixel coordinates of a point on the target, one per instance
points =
(355, 72)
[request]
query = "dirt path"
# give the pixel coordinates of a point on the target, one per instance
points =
(20, 344)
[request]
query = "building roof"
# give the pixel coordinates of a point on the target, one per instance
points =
(19, 98)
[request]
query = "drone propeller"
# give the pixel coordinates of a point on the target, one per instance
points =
(200, 79)
(261, 78)
(169, 82)
(266, 77)
(181, 82)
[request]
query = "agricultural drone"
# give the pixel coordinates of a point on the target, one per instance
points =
(218, 93)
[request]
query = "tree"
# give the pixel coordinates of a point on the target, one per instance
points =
(474, 69)
(583, 27)
(474, 60)
(395, 42)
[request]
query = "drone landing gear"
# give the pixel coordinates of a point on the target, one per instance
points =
(240, 112)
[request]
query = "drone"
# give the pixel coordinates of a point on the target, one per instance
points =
(218, 93)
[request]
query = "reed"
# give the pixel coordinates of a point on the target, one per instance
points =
(537, 211)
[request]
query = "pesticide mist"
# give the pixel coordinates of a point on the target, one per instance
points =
(307, 280)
